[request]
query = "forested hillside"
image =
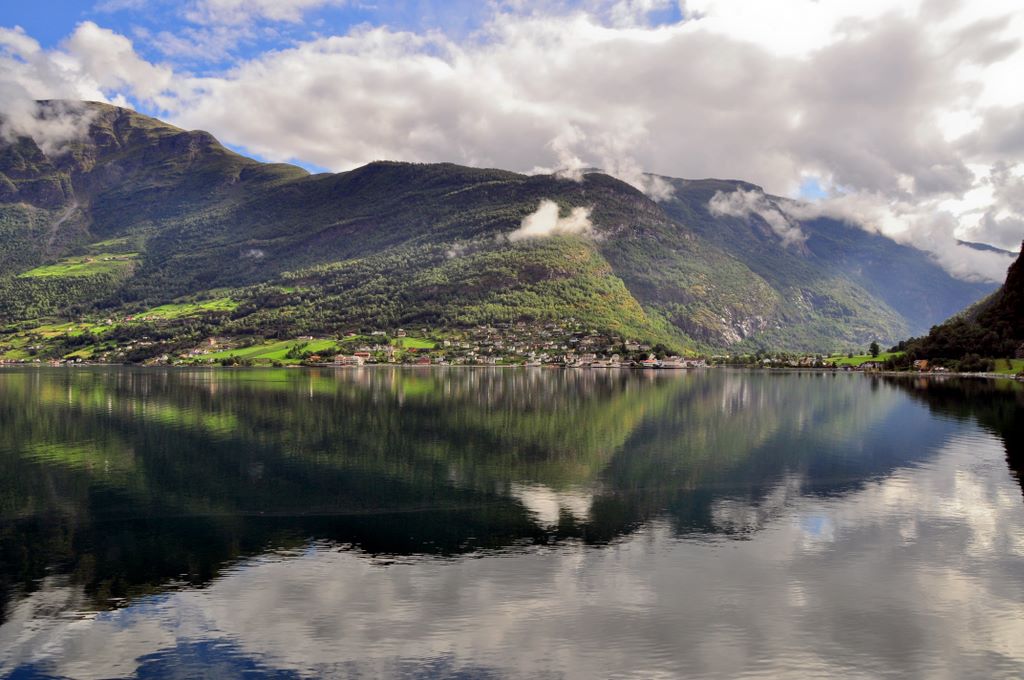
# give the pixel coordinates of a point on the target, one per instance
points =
(138, 214)
(993, 328)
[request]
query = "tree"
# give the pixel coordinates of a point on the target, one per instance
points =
(874, 349)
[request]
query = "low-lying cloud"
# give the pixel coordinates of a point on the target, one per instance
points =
(90, 64)
(920, 226)
(546, 221)
(932, 231)
(743, 203)
(612, 155)
(52, 126)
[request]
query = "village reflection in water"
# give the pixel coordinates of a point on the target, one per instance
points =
(509, 522)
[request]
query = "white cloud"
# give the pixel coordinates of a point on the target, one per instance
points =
(27, 74)
(111, 6)
(110, 61)
(196, 44)
(52, 126)
(16, 42)
(1001, 220)
(569, 165)
(545, 221)
(244, 11)
(92, 63)
(921, 225)
(741, 203)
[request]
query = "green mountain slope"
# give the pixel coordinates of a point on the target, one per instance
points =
(994, 327)
(840, 282)
(139, 213)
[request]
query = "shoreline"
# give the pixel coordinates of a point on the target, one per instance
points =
(641, 369)
(905, 374)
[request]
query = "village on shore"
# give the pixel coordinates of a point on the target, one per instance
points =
(498, 345)
(564, 344)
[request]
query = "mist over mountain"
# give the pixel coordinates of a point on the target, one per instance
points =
(132, 212)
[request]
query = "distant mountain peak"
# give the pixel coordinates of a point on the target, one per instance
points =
(985, 247)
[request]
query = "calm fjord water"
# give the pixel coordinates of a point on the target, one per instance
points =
(481, 523)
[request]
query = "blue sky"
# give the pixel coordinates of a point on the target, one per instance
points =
(151, 23)
(194, 43)
(51, 21)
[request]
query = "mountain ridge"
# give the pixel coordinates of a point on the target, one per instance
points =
(176, 214)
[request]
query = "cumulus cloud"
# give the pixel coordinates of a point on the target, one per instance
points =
(628, 169)
(25, 74)
(922, 226)
(742, 203)
(108, 60)
(89, 64)
(546, 221)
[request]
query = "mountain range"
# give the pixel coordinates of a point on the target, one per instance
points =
(137, 213)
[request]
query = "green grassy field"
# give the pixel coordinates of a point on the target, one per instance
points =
(70, 328)
(859, 359)
(178, 310)
(413, 343)
(14, 346)
(272, 351)
(84, 353)
(1009, 365)
(86, 265)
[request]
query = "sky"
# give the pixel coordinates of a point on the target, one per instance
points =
(901, 116)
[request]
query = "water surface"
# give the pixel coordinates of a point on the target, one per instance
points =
(481, 523)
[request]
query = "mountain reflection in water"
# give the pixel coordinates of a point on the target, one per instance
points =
(319, 523)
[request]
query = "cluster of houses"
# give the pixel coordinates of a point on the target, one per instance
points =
(588, 360)
(919, 365)
(553, 344)
(807, 361)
